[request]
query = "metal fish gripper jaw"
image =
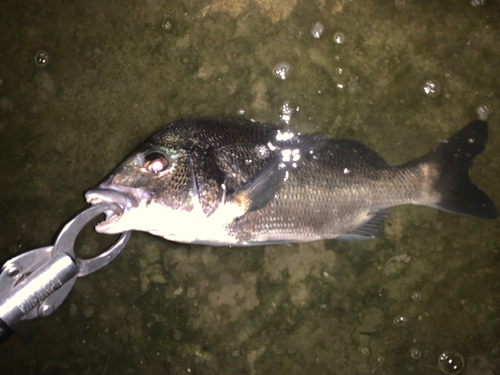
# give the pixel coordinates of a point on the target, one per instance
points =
(34, 284)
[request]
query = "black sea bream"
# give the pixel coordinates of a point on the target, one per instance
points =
(236, 182)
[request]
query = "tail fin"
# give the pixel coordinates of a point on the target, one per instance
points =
(453, 159)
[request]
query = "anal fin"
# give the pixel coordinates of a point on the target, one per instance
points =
(369, 229)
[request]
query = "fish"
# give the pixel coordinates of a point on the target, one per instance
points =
(236, 182)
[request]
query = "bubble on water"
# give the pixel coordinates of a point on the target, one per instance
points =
(451, 362)
(340, 86)
(365, 351)
(340, 71)
(483, 111)
(286, 112)
(282, 69)
(431, 88)
(400, 320)
(416, 296)
(241, 111)
(41, 58)
(415, 353)
(317, 30)
(339, 37)
(477, 3)
(166, 25)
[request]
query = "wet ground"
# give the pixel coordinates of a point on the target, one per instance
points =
(398, 76)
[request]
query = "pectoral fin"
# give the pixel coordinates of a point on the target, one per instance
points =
(261, 188)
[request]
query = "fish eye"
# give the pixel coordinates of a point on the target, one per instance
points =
(155, 162)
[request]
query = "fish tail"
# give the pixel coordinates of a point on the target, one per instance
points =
(451, 185)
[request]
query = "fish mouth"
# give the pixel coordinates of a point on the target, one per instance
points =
(125, 197)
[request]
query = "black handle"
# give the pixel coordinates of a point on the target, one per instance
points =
(5, 331)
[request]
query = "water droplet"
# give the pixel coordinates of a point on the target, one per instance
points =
(166, 25)
(41, 58)
(483, 111)
(340, 71)
(286, 112)
(248, 161)
(339, 37)
(262, 151)
(451, 362)
(340, 86)
(431, 88)
(400, 320)
(346, 170)
(317, 30)
(416, 296)
(241, 111)
(415, 354)
(282, 69)
(477, 3)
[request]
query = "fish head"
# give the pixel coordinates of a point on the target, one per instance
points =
(149, 185)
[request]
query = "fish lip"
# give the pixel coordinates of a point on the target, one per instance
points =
(112, 193)
(125, 197)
